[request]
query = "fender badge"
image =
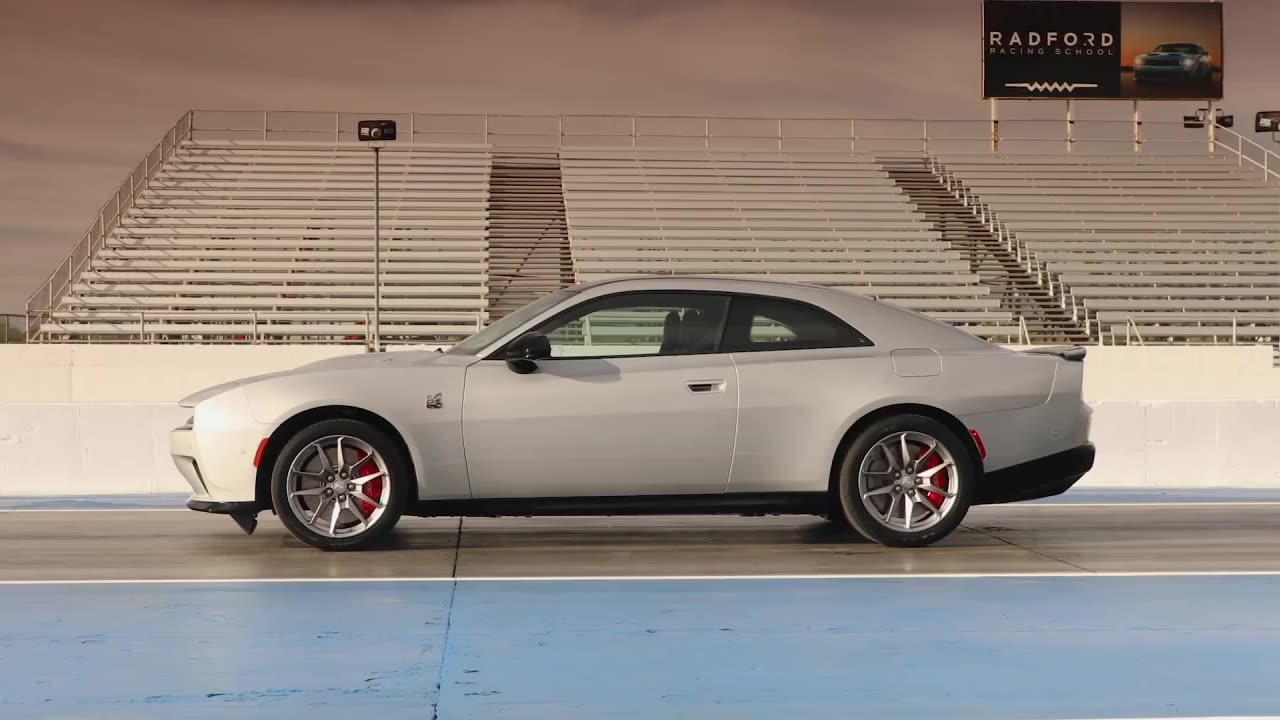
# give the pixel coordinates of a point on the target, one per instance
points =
(435, 402)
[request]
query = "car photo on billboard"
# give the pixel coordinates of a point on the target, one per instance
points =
(1174, 62)
(1171, 51)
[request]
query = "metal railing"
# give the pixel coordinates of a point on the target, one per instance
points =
(109, 215)
(1230, 329)
(262, 327)
(1248, 151)
(794, 134)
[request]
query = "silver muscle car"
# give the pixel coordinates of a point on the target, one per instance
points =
(655, 395)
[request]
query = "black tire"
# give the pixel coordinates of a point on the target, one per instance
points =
(853, 506)
(836, 518)
(398, 469)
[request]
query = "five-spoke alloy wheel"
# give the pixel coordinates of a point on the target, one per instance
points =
(906, 481)
(340, 484)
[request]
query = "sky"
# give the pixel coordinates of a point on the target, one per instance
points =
(89, 87)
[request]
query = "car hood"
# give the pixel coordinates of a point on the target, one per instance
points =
(372, 360)
(368, 361)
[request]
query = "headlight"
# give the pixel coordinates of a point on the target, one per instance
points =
(1188, 62)
(1139, 61)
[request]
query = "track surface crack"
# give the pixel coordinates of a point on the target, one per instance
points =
(448, 624)
(1010, 543)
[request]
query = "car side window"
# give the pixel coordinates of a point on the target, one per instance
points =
(758, 324)
(638, 324)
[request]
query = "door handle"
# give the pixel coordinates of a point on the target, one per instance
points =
(705, 386)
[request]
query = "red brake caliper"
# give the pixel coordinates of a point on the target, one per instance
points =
(939, 480)
(373, 488)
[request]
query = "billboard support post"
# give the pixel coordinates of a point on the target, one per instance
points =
(1071, 124)
(995, 126)
(1212, 124)
(1137, 127)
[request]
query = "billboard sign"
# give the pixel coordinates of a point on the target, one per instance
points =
(1104, 50)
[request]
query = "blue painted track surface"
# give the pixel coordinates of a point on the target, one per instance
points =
(1061, 647)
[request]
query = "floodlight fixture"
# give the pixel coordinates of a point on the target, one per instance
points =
(376, 130)
(1197, 121)
(1268, 121)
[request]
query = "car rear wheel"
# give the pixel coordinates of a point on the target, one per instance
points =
(906, 481)
(340, 484)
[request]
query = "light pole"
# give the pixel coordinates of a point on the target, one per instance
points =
(377, 249)
(377, 131)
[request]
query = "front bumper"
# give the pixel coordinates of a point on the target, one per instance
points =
(1174, 73)
(1041, 478)
(222, 508)
(245, 514)
(182, 448)
(215, 453)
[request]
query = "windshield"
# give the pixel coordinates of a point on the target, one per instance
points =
(1178, 48)
(491, 334)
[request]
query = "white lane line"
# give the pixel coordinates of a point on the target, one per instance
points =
(655, 578)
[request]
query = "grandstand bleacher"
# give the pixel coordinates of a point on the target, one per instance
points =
(270, 240)
(1141, 248)
(234, 239)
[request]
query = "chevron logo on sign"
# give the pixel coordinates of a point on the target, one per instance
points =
(1051, 87)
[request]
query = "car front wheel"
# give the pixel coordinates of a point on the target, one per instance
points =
(906, 481)
(340, 484)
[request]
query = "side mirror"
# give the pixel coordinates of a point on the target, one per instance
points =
(524, 352)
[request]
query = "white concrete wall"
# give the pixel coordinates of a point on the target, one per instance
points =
(142, 373)
(91, 420)
(95, 419)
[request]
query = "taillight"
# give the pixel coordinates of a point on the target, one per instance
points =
(977, 440)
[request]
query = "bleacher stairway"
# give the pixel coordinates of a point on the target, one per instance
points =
(996, 266)
(1142, 249)
(529, 252)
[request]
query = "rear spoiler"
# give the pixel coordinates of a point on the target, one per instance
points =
(1071, 353)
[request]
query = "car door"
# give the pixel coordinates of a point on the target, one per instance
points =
(800, 372)
(637, 399)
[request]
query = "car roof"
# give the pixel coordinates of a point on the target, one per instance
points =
(711, 283)
(702, 281)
